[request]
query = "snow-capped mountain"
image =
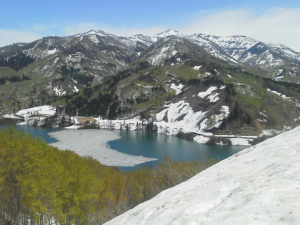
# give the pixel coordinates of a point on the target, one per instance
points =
(104, 54)
(272, 58)
(167, 47)
(69, 63)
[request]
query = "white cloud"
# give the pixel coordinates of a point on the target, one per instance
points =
(8, 37)
(277, 25)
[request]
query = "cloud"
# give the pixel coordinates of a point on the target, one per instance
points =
(276, 25)
(8, 37)
(124, 31)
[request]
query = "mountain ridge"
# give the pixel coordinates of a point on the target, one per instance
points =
(100, 74)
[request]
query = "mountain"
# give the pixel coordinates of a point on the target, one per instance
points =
(271, 58)
(213, 85)
(258, 185)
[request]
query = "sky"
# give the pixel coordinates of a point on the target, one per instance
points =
(267, 21)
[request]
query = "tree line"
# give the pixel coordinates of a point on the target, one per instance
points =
(17, 61)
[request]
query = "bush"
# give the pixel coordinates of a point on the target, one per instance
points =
(212, 140)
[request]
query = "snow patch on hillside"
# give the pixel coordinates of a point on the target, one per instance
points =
(197, 68)
(94, 39)
(35, 114)
(259, 185)
(213, 97)
(178, 117)
(178, 88)
(59, 91)
(207, 92)
(214, 121)
(50, 52)
(279, 94)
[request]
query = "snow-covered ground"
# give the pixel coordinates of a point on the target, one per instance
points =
(175, 118)
(31, 115)
(279, 94)
(207, 92)
(178, 88)
(178, 117)
(94, 143)
(259, 185)
(240, 141)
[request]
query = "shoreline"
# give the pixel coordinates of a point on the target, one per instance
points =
(201, 138)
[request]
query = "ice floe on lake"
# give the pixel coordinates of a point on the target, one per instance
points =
(94, 143)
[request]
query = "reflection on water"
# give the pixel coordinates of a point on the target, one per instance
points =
(158, 145)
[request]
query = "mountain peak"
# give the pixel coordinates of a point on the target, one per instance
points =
(170, 32)
(91, 32)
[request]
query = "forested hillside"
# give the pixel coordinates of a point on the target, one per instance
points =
(42, 185)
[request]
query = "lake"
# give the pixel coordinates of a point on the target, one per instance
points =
(158, 146)
(152, 145)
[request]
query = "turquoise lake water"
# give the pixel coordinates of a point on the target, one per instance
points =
(158, 146)
(153, 146)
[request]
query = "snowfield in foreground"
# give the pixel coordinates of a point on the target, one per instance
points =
(94, 143)
(259, 185)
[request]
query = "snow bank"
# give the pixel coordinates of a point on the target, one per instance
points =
(11, 116)
(94, 143)
(129, 124)
(240, 141)
(259, 185)
(201, 139)
(31, 115)
(41, 110)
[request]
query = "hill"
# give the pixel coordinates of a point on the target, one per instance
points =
(258, 185)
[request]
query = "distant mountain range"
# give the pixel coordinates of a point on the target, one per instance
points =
(101, 54)
(202, 76)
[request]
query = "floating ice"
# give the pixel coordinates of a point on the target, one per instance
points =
(94, 143)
